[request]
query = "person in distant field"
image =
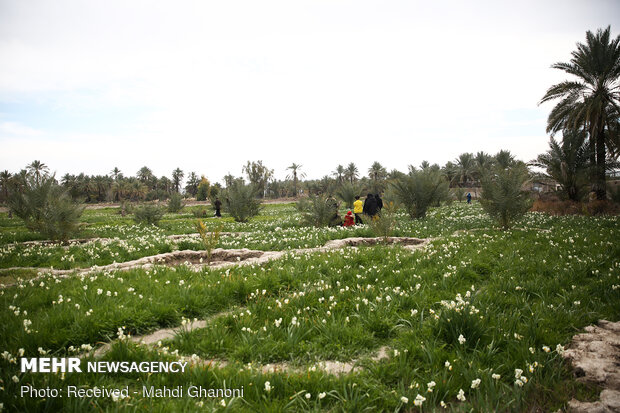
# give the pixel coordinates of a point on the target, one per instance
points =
(379, 203)
(469, 197)
(348, 220)
(370, 205)
(358, 209)
(218, 207)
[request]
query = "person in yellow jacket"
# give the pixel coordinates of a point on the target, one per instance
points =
(358, 208)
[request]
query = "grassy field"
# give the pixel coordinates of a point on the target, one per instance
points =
(475, 321)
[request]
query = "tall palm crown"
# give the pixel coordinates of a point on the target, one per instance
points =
(351, 173)
(465, 167)
(339, 173)
(295, 172)
(591, 101)
(377, 172)
(177, 177)
(37, 169)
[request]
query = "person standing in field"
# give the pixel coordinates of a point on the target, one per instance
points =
(469, 197)
(218, 206)
(379, 203)
(370, 205)
(358, 209)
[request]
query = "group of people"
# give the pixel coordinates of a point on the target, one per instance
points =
(371, 206)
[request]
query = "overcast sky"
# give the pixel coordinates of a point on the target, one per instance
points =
(206, 86)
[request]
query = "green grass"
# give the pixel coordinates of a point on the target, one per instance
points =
(509, 294)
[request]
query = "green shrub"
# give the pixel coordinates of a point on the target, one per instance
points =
(203, 190)
(419, 190)
(209, 238)
(457, 194)
(382, 225)
(199, 212)
(316, 211)
(347, 193)
(148, 214)
(175, 203)
(503, 197)
(47, 208)
(240, 201)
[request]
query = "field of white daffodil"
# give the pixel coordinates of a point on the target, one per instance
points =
(476, 320)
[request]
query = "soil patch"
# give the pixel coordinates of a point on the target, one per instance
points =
(595, 356)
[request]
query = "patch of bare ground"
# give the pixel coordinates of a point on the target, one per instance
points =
(595, 357)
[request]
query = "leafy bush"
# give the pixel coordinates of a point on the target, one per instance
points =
(457, 194)
(47, 208)
(199, 212)
(503, 197)
(316, 211)
(209, 238)
(382, 225)
(347, 192)
(240, 201)
(204, 188)
(419, 190)
(148, 214)
(175, 203)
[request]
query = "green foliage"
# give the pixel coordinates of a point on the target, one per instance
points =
(503, 197)
(240, 201)
(316, 211)
(175, 203)
(457, 194)
(209, 238)
(148, 214)
(383, 224)
(199, 212)
(46, 208)
(203, 190)
(568, 163)
(420, 190)
(347, 192)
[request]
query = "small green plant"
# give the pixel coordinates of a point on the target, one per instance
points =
(457, 194)
(199, 212)
(347, 192)
(240, 201)
(419, 190)
(148, 214)
(175, 203)
(209, 238)
(382, 225)
(316, 211)
(503, 197)
(46, 208)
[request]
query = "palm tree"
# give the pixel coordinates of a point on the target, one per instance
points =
(38, 169)
(482, 162)
(177, 177)
(567, 162)
(591, 101)
(145, 175)
(338, 173)
(351, 173)
(377, 172)
(465, 167)
(116, 173)
(5, 178)
(504, 159)
(295, 171)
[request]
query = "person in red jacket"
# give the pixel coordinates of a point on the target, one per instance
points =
(348, 220)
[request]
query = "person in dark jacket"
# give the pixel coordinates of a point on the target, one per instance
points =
(469, 197)
(218, 206)
(370, 205)
(379, 203)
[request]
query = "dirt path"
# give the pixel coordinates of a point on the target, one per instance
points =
(595, 356)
